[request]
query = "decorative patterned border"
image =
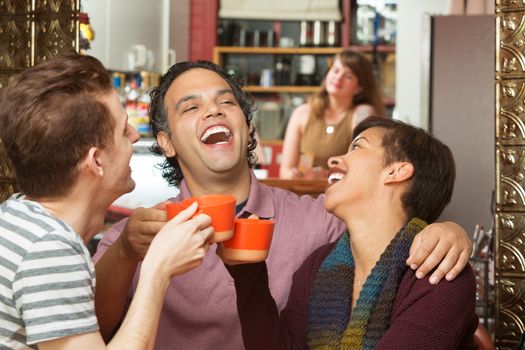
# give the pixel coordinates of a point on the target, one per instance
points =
(510, 172)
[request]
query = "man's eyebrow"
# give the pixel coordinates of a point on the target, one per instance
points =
(194, 96)
(184, 99)
(224, 91)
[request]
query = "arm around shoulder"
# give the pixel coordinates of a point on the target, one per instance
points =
(444, 247)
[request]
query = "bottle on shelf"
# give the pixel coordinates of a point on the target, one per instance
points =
(306, 74)
(266, 79)
(282, 71)
(332, 34)
(318, 37)
(270, 38)
(305, 38)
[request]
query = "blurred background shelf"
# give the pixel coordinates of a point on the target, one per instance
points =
(281, 89)
(218, 50)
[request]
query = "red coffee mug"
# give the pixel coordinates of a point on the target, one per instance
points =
(221, 209)
(251, 240)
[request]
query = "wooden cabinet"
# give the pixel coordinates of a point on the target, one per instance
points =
(221, 55)
(252, 62)
(270, 57)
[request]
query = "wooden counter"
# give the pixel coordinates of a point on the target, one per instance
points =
(298, 186)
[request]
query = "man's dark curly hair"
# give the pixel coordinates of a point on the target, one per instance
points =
(170, 167)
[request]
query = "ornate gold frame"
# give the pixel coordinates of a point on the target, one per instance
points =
(510, 173)
(32, 31)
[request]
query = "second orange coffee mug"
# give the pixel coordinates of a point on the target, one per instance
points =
(251, 240)
(221, 209)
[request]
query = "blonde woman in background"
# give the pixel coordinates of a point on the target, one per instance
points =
(323, 126)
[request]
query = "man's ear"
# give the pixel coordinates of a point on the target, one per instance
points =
(399, 172)
(93, 161)
(165, 143)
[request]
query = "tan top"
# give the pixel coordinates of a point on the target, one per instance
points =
(317, 140)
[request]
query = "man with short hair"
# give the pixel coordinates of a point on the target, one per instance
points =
(70, 144)
(201, 119)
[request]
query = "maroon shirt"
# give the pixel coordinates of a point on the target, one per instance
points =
(200, 309)
(424, 316)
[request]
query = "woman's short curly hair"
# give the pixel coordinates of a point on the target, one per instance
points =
(432, 184)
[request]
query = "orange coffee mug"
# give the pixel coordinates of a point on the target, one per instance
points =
(221, 209)
(172, 209)
(251, 240)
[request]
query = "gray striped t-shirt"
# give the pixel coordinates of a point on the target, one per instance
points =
(47, 279)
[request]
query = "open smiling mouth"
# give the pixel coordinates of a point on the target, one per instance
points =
(216, 135)
(334, 177)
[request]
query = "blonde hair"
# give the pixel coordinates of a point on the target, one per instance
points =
(363, 70)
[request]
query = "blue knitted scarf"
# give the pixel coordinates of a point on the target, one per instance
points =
(331, 323)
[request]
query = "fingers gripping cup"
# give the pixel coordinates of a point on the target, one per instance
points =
(251, 241)
(221, 209)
